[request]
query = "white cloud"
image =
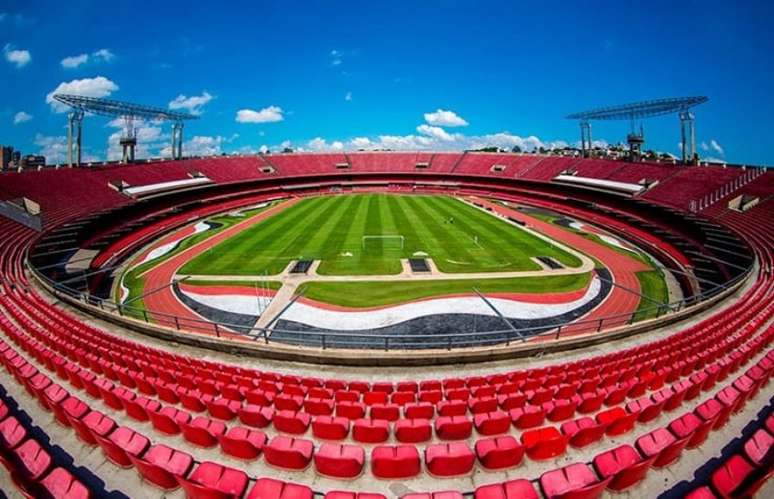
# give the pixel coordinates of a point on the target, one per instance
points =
(18, 57)
(104, 55)
(442, 117)
(54, 148)
(717, 147)
(88, 87)
(74, 61)
(192, 104)
(269, 114)
(319, 144)
(336, 59)
(435, 132)
(264, 149)
(348, 96)
(704, 146)
(21, 117)
(360, 142)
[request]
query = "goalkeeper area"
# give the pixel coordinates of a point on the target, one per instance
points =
(369, 234)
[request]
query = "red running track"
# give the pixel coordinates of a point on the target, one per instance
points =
(622, 268)
(160, 276)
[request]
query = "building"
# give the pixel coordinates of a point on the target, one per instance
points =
(32, 161)
(6, 157)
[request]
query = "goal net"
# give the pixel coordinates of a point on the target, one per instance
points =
(393, 242)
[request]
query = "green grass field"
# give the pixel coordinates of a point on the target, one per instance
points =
(458, 237)
(373, 294)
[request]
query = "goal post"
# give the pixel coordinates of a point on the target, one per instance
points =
(394, 241)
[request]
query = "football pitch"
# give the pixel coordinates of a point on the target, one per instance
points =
(368, 234)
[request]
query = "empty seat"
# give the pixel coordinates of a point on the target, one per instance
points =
(61, 484)
(211, 480)
(341, 494)
(449, 459)
(623, 465)
(529, 416)
(544, 443)
(512, 489)
(662, 444)
(758, 446)
(32, 460)
(453, 427)
(339, 461)
(444, 494)
(92, 424)
(223, 408)
(270, 488)
(499, 452)
(690, 425)
(330, 427)
(616, 420)
(203, 431)
(121, 443)
(371, 430)
(242, 442)
(727, 478)
(287, 452)
(168, 419)
(576, 481)
(139, 407)
(256, 416)
(395, 461)
(295, 422)
(411, 431)
(388, 412)
(646, 409)
(12, 432)
(160, 464)
(492, 423)
(419, 410)
(583, 431)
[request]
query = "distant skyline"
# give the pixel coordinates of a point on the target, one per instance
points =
(344, 75)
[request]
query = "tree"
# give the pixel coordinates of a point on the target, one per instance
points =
(516, 149)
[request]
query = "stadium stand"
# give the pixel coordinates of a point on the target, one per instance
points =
(178, 420)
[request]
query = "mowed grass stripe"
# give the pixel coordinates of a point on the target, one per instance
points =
(407, 228)
(332, 246)
(305, 233)
(471, 226)
(433, 223)
(240, 254)
(374, 227)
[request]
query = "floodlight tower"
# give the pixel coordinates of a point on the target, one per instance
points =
(126, 111)
(638, 111)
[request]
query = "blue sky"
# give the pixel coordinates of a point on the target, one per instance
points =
(342, 74)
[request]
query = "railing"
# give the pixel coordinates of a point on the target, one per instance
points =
(726, 190)
(374, 341)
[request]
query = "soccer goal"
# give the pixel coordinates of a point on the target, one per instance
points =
(385, 242)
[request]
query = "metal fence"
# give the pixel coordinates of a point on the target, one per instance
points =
(362, 340)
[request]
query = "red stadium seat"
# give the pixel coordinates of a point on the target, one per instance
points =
(32, 461)
(203, 431)
(289, 453)
(544, 443)
(93, 423)
(450, 459)
(583, 431)
(168, 419)
(270, 488)
(453, 427)
(623, 466)
(371, 430)
(61, 484)
(616, 421)
(662, 444)
(690, 425)
(512, 489)
(294, 422)
(401, 461)
(499, 452)
(161, 464)
(528, 416)
(411, 431)
(758, 446)
(576, 481)
(256, 416)
(492, 423)
(339, 461)
(242, 442)
(211, 480)
(419, 410)
(121, 443)
(446, 494)
(330, 427)
(727, 478)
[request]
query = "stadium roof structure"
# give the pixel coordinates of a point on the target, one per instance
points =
(644, 109)
(129, 112)
(107, 107)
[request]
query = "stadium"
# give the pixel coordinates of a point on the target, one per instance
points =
(365, 324)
